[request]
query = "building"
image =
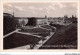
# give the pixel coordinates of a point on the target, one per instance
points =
(62, 20)
(36, 21)
(33, 21)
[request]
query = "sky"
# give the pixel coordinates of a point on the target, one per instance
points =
(53, 9)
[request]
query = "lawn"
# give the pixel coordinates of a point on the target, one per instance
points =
(17, 40)
(43, 34)
(65, 35)
(35, 30)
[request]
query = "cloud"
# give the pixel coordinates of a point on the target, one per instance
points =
(47, 12)
(31, 7)
(7, 8)
(7, 11)
(9, 5)
(53, 4)
(74, 5)
(47, 8)
(61, 5)
(51, 7)
(34, 12)
(18, 8)
(40, 8)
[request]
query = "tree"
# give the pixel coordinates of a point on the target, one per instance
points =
(23, 23)
(9, 24)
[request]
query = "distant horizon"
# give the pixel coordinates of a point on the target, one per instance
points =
(41, 17)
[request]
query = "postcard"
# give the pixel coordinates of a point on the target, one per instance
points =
(40, 26)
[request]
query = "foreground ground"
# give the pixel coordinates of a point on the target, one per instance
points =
(25, 37)
(16, 40)
(64, 38)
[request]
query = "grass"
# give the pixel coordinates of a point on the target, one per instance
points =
(17, 40)
(43, 34)
(35, 30)
(65, 35)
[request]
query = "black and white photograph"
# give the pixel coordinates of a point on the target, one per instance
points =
(40, 25)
